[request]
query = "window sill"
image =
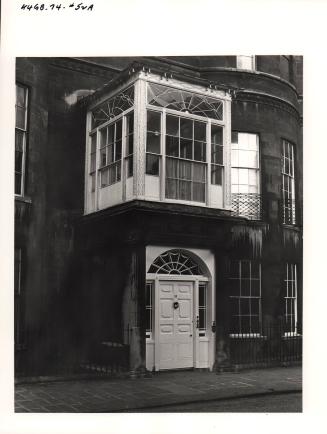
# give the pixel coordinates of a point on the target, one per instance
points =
(24, 199)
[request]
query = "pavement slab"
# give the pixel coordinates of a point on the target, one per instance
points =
(162, 389)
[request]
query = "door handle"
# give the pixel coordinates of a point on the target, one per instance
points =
(191, 336)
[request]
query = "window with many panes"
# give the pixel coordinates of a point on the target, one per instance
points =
(186, 170)
(20, 138)
(245, 297)
(110, 153)
(129, 140)
(182, 140)
(245, 178)
(288, 183)
(290, 298)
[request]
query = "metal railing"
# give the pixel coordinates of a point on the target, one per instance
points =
(274, 345)
(247, 205)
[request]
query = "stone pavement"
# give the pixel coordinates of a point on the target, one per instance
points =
(162, 389)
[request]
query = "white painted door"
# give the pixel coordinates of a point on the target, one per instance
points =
(175, 325)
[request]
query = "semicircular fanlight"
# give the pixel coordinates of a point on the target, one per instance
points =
(175, 262)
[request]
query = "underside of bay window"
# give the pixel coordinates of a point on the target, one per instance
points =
(159, 140)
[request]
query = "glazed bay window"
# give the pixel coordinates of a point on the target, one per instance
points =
(160, 140)
(288, 183)
(290, 299)
(245, 298)
(20, 138)
(245, 188)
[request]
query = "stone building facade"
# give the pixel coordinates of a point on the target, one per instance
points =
(158, 208)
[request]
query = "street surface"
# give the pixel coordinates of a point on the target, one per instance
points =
(286, 403)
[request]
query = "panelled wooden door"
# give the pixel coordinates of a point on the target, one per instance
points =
(175, 324)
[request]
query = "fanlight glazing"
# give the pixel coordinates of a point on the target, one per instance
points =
(184, 101)
(175, 262)
(113, 107)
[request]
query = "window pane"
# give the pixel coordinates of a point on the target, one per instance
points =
(245, 287)
(21, 96)
(171, 188)
(255, 269)
(18, 161)
(111, 133)
(234, 137)
(129, 166)
(199, 172)
(186, 126)
(216, 175)
(119, 125)
(152, 164)
(234, 287)
(234, 306)
(185, 189)
(245, 324)
(255, 288)
(185, 170)
(130, 144)
(199, 151)
(130, 123)
(93, 143)
(172, 146)
(20, 118)
(200, 131)
(172, 125)
(153, 121)
(198, 192)
(118, 150)
(217, 154)
(103, 137)
(103, 157)
(19, 140)
(255, 303)
(245, 269)
(216, 135)
(110, 154)
(245, 306)
(186, 148)
(153, 143)
(18, 182)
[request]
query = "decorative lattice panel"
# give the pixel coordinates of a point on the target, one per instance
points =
(175, 262)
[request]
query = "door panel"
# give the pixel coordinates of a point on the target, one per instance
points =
(176, 325)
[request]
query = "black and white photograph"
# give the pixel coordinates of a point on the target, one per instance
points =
(162, 239)
(158, 234)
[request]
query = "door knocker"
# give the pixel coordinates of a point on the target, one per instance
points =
(176, 305)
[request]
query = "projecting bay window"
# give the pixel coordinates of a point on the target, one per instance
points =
(169, 144)
(245, 188)
(290, 299)
(245, 298)
(288, 184)
(20, 138)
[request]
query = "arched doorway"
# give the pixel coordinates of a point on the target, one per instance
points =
(179, 312)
